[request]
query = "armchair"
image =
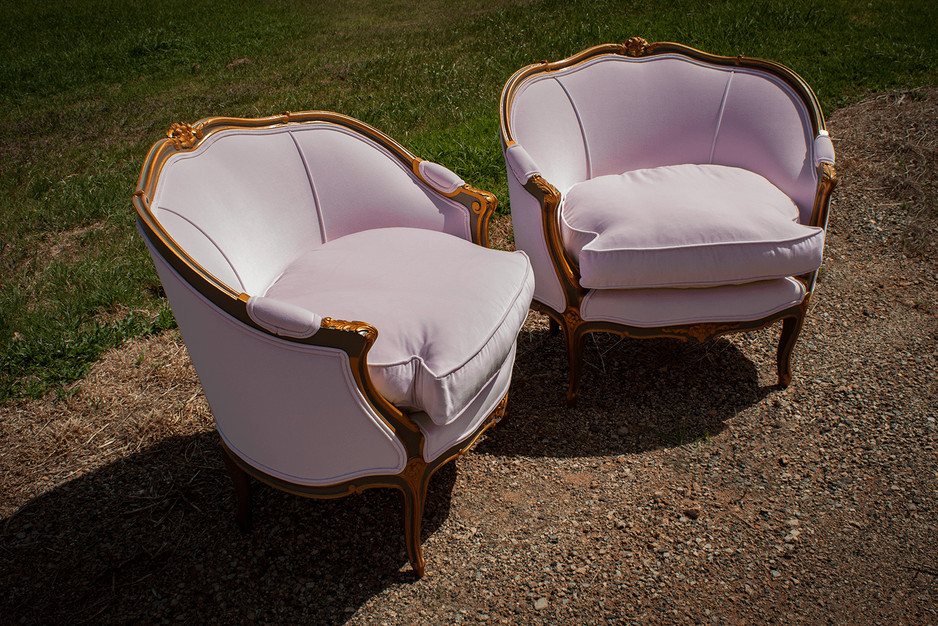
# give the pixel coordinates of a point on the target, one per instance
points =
(267, 234)
(661, 191)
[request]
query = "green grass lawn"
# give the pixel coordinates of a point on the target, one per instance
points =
(86, 86)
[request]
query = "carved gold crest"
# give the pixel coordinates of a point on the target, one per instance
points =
(635, 46)
(184, 135)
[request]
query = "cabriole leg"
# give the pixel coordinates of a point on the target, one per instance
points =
(791, 328)
(552, 326)
(574, 341)
(242, 487)
(414, 490)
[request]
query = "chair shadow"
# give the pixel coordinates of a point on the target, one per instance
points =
(636, 395)
(153, 536)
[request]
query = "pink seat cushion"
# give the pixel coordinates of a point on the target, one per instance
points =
(685, 226)
(447, 311)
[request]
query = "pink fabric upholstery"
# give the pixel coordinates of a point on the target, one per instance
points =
(261, 390)
(259, 179)
(291, 188)
(651, 308)
(447, 311)
(614, 114)
(281, 318)
(527, 225)
(359, 185)
(685, 226)
(439, 438)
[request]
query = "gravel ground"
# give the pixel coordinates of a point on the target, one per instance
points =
(685, 488)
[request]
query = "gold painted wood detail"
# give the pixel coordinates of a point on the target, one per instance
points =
(367, 331)
(184, 136)
(635, 46)
(700, 332)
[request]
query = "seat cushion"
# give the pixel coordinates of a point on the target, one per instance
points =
(685, 226)
(654, 308)
(447, 311)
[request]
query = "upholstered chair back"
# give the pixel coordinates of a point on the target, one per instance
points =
(247, 201)
(611, 114)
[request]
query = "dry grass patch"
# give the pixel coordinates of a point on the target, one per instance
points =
(135, 396)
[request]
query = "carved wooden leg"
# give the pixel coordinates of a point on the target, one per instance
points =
(791, 328)
(574, 341)
(552, 326)
(242, 487)
(414, 489)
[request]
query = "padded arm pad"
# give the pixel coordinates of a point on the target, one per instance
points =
(521, 163)
(439, 177)
(283, 319)
(823, 149)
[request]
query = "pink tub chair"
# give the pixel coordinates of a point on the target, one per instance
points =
(660, 191)
(267, 234)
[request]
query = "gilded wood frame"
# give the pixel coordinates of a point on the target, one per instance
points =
(355, 338)
(569, 320)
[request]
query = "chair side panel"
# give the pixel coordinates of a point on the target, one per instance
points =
(359, 185)
(290, 410)
(528, 227)
(240, 199)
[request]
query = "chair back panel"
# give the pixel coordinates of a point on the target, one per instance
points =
(240, 205)
(638, 115)
(247, 201)
(359, 185)
(667, 109)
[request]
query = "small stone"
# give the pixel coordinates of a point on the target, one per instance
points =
(692, 512)
(540, 604)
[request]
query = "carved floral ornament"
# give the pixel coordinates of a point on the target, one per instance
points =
(635, 46)
(183, 135)
(572, 318)
(414, 472)
(701, 332)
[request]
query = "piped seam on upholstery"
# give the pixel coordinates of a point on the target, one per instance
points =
(716, 131)
(794, 240)
(210, 240)
(579, 121)
(312, 187)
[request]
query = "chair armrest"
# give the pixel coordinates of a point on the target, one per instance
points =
(480, 204)
(823, 149)
(439, 177)
(281, 318)
(520, 163)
